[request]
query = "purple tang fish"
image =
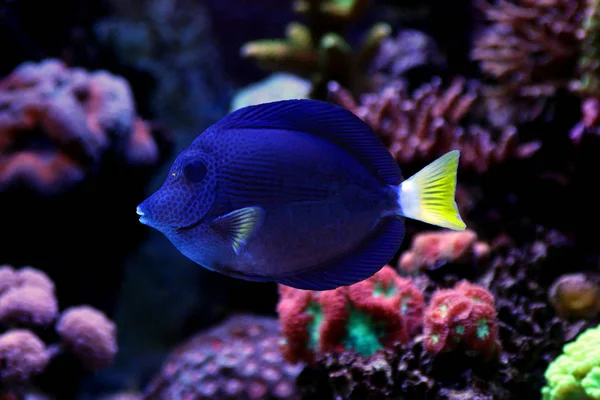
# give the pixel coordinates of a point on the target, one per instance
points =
(301, 192)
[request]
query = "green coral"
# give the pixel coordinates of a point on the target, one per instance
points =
(589, 61)
(575, 374)
(363, 334)
(314, 329)
(317, 50)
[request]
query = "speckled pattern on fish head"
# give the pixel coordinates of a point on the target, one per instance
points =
(187, 195)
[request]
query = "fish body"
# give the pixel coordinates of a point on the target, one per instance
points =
(301, 192)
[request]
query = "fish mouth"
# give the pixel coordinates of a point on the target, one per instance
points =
(140, 212)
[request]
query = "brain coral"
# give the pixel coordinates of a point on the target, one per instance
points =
(364, 317)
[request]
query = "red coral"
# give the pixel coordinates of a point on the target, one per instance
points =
(293, 309)
(89, 335)
(390, 298)
(77, 116)
(464, 317)
(431, 248)
(318, 322)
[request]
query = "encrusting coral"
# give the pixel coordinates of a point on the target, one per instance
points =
(318, 50)
(432, 249)
(419, 127)
(238, 360)
(575, 296)
(364, 317)
(28, 306)
(575, 374)
(58, 123)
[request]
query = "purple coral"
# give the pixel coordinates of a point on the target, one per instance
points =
(89, 335)
(238, 359)
(28, 305)
(79, 114)
(27, 300)
(22, 355)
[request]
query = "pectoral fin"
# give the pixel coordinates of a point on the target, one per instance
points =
(239, 225)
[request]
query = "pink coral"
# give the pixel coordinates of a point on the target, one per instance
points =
(8, 278)
(465, 317)
(89, 335)
(28, 305)
(28, 276)
(56, 123)
(431, 248)
(22, 355)
(364, 317)
(419, 127)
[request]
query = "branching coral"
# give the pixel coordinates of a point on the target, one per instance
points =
(529, 43)
(409, 54)
(575, 374)
(57, 124)
(364, 317)
(235, 360)
(28, 305)
(317, 50)
(420, 127)
(528, 49)
(464, 316)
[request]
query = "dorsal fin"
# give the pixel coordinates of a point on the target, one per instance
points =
(325, 120)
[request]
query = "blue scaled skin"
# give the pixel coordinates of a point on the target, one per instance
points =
(301, 192)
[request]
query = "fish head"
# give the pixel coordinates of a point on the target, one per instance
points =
(186, 196)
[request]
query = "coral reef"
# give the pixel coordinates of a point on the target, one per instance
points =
(575, 374)
(575, 296)
(57, 123)
(171, 41)
(432, 250)
(420, 127)
(28, 309)
(318, 50)
(531, 333)
(462, 317)
(530, 46)
(410, 54)
(279, 86)
(238, 359)
(365, 317)
(88, 334)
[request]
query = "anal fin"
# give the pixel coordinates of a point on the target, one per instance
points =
(357, 266)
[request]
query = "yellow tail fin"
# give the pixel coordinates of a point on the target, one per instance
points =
(428, 195)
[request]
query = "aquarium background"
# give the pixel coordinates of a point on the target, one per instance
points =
(97, 98)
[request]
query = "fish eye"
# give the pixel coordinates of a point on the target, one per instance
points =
(194, 171)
